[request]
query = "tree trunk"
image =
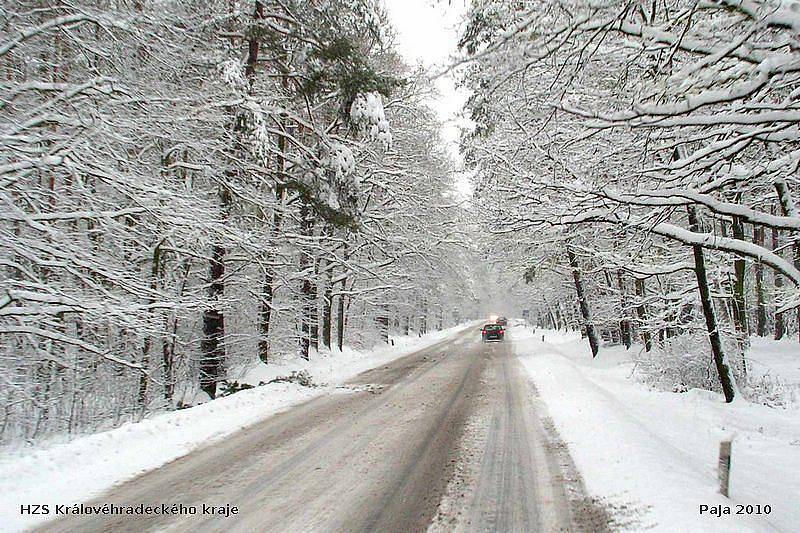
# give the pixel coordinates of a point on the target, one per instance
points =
(348, 302)
(144, 377)
(788, 208)
(779, 327)
(720, 360)
(340, 320)
(267, 285)
(327, 308)
(561, 320)
(212, 347)
(423, 317)
(313, 307)
(551, 315)
(306, 290)
(591, 333)
(168, 362)
(253, 46)
(383, 324)
(625, 323)
(168, 342)
(761, 310)
(739, 303)
(641, 313)
(340, 309)
(265, 313)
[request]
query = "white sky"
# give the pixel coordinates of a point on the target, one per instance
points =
(427, 33)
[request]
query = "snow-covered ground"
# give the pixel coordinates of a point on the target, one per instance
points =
(653, 455)
(72, 472)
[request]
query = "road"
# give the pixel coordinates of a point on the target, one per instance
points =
(448, 438)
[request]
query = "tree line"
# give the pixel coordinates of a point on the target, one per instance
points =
(642, 158)
(189, 186)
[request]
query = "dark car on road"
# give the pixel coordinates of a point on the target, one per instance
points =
(492, 332)
(501, 320)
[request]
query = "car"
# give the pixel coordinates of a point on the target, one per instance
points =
(492, 332)
(501, 320)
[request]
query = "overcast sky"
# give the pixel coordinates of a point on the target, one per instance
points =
(427, 33)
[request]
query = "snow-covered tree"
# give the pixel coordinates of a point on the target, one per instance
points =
(646, 125)
(187, 187)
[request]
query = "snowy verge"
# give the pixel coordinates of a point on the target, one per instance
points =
(651, 455)
(75, 471)
(334, 367)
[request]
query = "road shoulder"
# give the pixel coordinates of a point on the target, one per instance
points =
(650, 456)
(85, 467)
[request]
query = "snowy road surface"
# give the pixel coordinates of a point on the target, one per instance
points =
(447, 438)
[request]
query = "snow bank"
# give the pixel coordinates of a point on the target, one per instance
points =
(653, 455)
(334, 367)
(777, 362)
(78, 470)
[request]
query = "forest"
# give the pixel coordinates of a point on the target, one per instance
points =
(399, 265)
(639, 160)
(190, 187)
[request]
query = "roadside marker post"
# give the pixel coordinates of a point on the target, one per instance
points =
(724, 466)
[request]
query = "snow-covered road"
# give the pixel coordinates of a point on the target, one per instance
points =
(447, 436)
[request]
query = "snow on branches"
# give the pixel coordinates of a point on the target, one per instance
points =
(366, 112)
(232, 73)
(339, 159)
(657, 132)
(162, 193)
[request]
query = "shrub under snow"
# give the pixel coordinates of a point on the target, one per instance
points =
(684, 362)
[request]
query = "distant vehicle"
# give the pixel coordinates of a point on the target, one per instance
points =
(502, 321)
(492, 332)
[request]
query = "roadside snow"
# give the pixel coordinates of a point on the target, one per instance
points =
(75, 471)
(653, 455)
(335, 367)
(779, 362)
